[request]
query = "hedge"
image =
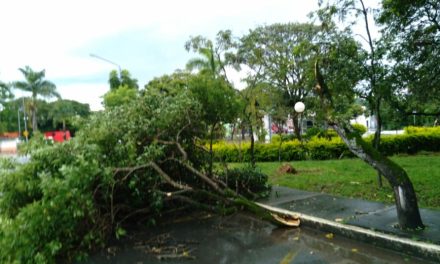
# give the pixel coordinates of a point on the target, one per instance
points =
(323, 149)
(410, 130)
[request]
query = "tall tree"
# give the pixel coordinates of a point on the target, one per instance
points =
(211, 86)
(375, 87)
(36, 84)
(281, 55)
(214, 56)
(219, 104)
(338, 73)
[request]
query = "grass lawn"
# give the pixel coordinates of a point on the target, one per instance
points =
(354, 178)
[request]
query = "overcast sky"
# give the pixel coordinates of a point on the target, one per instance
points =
(145, 37)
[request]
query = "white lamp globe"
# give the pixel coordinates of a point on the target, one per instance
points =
(299, 107)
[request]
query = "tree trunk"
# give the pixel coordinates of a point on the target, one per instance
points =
(251, 130)
(232, 132)
(211, 153)
(377, 134)
(34, 120)
(297, 126)
(406, 201)
(279, 147)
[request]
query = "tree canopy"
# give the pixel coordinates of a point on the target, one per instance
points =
(412, 32)
(282, 56)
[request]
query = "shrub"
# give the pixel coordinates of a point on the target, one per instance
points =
(313, 131)
(283, 137)
(323, 149)
(410, 130)
(360, 129)
(410, 144)
(249, 182)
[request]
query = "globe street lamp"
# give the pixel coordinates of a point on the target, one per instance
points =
(299, 108)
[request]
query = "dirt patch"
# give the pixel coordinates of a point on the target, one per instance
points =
(287, 169)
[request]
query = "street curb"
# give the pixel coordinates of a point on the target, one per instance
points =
(403, 245)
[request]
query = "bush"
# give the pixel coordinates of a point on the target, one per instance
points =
(283, 137)
(323, 149)
(320, 133)
(247, 181)
(410, 144)
(410, 130)
(313, 131)
(360, 129)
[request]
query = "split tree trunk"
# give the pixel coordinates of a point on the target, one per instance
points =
(405, 197)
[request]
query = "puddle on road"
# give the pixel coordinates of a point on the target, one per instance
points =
(241, 238)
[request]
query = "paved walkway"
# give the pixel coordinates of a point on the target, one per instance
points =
(378, 217)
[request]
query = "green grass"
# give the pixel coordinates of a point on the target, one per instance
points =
(354, 178)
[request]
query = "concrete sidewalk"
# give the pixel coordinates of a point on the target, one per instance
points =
(370, 222)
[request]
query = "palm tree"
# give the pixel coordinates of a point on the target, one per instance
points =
(207, 63)
(214, 57)
(37, 86)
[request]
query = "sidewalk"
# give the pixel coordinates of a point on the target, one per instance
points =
(370, 222)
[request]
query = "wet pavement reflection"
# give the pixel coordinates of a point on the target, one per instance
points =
(240, 238)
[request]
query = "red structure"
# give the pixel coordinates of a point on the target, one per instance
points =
(9, 135)
(57, 136)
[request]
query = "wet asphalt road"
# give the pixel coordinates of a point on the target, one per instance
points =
(240, 238)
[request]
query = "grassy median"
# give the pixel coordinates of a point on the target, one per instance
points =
(354, 178)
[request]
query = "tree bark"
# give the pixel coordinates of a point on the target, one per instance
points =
(377, 134)
(34, 120)
(405, 198)
(297, 126)
(232, 132)
(251, 131)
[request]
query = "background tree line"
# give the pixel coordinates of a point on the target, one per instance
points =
(32, 112)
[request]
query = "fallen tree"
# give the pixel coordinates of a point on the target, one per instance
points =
(131, 164)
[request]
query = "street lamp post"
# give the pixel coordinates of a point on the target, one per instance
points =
(108, 61)
(299, 108)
